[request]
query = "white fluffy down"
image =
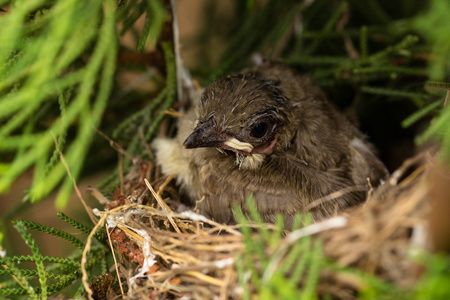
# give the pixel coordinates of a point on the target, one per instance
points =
(174, 159)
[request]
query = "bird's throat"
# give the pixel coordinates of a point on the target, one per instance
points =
(250, 161)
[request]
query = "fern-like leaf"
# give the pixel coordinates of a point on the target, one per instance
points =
(21, 227)
(53, 231)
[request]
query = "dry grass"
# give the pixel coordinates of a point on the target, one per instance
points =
(164, 253)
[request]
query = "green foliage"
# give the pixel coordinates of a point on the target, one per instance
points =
(439, 130)
(156, 16)
(381, 52)
(152, 115)
(434, 284)
(63, 53)
(434, 24)
(42, 45)
(53, 231)
(272, 268)
(275, 266)
(21, 227)
(58, 65)
(100, 235)
(52, 278)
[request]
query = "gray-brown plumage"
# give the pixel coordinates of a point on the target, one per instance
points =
(271, 134)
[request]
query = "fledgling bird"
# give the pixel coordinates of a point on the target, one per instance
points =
(271, 134)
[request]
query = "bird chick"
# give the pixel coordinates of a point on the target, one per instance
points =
(269, 133)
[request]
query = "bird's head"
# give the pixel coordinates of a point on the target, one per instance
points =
(243, 114)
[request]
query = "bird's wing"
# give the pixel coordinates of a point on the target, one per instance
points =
(365, 163)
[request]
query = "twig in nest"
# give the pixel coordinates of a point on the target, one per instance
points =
(395, 177)
(334, 195)
(174, 113)
(227, 283)
(99, 196)
(416, 173)
(165, 183)
(84, 277)
(206, 278)
(115, 262)
(163, 205)
(401, 213)
(335, 222)
(120, 164)
(199, 218)
(194, 269)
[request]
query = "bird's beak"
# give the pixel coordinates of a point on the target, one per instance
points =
(205, 135)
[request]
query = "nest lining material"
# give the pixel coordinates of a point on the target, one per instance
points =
(168, 254)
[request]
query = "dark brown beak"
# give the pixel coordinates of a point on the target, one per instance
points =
(205, 135)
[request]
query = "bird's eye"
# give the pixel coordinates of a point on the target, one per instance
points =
(259, 130)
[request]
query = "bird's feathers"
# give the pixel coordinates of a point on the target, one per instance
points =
(303, 148)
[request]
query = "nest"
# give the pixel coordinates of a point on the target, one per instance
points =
(165, 253)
